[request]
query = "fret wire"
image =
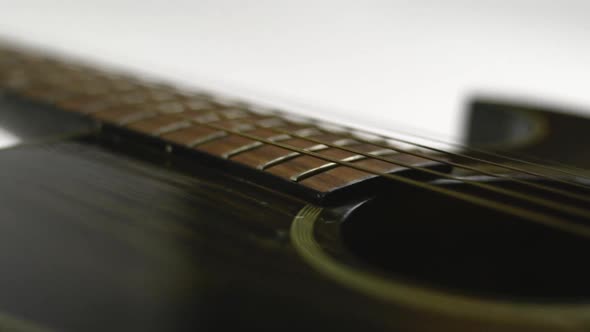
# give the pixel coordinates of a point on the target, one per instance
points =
(515, 194)
(136, 117)
(278, 138)
(451, 163)
(356, 157)
(318, 147)
(313, 171)
(305, 131)
(206, 139)
(270, 122)
(281, 159)
(171, 128)
(277, 160)
(541, 218)
(243, 127)
(322, 168)
(383, 152)
(251, 146)
(344, 142)
(205, 118)
(243, 148)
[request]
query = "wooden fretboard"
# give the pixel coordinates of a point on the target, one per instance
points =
(272, 143)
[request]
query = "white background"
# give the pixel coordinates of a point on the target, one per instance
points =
(373, 63)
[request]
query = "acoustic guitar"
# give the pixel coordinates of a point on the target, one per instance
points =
(131, 205)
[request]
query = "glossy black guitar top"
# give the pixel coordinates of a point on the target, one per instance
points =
(133, 206)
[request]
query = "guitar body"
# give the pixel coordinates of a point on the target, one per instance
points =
(102, 229)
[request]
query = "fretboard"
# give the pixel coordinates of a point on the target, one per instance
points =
(303, 154)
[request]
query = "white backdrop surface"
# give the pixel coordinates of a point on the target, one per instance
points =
(377, 64)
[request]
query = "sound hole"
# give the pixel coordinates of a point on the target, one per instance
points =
(443, 243)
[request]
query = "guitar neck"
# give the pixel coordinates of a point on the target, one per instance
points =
(270, 147)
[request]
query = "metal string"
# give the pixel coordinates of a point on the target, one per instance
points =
(489, 153)
(568, 209)
(482, 151)
(510, 193)
(129, 79)
(350, 133)
(551, 204)
(495, 154)
(538, 217)
(441, 160)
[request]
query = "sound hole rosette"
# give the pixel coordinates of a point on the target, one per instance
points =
(454, 309)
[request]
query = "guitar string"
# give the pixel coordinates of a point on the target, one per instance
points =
(557, 206)
(541, 163)
(529, 198)
(444, 161)
(551, 164)
(498, 155)
(552, 221)
(527, 214)
(350, 133)
(557, 179)
(572, 210)
(352, 130)
(56, 63)
(555, 222)
(540, 201)
(451, 163)
(528, 183)
(503, 190)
